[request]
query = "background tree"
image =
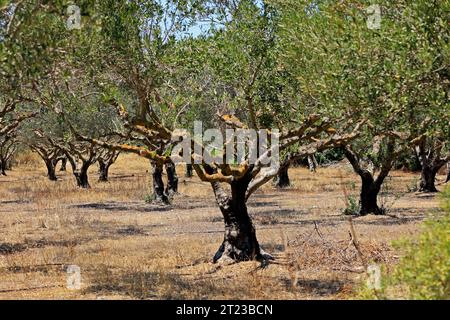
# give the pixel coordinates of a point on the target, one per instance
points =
(8, 148)
(433, 154)
(12, 117)
(32, 37)
(134, 60)
(48, 152)
(373, 73)
(105, 160)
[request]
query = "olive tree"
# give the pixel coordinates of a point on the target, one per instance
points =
(242, 73)
(392, 73)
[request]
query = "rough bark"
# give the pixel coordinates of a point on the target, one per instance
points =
(105, 161)
(81, 176)
(51, 170)
(9, 164)
(7, 149)
(80, 157)
(282, 180)
(158, 184)
(172, 179)
(2, 169)
(50, 157)
(369, 195)
(428, 178)
(63, 164)
(240, 242)
(371, 186)
(81, 173)
(312, 163)
(429, 153)
(103, 170)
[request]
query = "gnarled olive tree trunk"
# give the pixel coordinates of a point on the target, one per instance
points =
(239, 243)
(8, 147)
(5, 164)
(161, 193)
(428, 178)
(51, 170)
(429, 153)
(371, 186)
(282, 180)
(158, 183)
(105, 161)
(312, 163)
(81, 175)
(81, 157)
(81, 172)
(103, 171)
(369, 195)
(2, 168)
(172, 179)
(50, 155)
(63, 164)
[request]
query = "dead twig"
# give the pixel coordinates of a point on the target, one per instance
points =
(355, 243)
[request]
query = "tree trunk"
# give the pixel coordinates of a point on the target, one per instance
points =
(103, 171)
(63, 164)
(283, 177)
(158, 184)
(172, 179)
(369, 195)
(82, 176)
(2, 168)
(427, 178)
(312, 163)
(8, 164)
(431, 161)
(448, 173)
(51, 172)
(240, 243)
(189, 171)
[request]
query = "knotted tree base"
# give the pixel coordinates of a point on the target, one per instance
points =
(240, 242)
(427, 180)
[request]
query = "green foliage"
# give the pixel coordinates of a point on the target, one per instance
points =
(149, 198)
(330, 155)
(424, 270)
(408, 161)
(33, 37)
(353, 206)
(394, 76)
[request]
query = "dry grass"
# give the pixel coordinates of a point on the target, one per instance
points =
(128, 249)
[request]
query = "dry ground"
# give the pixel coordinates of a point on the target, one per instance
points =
(128, 249)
